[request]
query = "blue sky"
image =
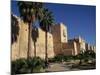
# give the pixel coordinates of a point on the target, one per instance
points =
(79, 19)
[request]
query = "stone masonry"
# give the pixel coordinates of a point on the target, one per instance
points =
(57, 42)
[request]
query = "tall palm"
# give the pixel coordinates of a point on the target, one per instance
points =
(14, 29)
(30, 12)
(35, 35)
(46, 23)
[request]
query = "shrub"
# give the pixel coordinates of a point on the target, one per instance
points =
(60, 58)
(30, 65)
(51, 60)
(65, 58)
(19, 66)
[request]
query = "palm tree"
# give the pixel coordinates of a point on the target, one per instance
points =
(80, 57)
(46, 24)
(30, 12)
(35, 35)
(14, 29)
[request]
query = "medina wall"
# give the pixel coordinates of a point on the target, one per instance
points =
(70, 48)
(38, 43)
(23, 40)
(59, 33)
(56, 39)
(63, 32)
(19, 49)
(15, 44)
(38, 46)
(50, 46)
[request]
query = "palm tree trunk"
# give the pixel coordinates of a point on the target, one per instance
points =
(46, 54)
(29, 40)
(34, 49)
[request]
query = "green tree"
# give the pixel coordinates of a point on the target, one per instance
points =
(89, 55)
(34, 37)
(23, 66)
(80, 57)
(14, 29)
(46, 24)
(30, 12)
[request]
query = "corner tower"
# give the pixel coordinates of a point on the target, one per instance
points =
(59, 32)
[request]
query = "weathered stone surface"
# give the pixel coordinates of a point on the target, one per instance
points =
(23, 40)
(57, 42)
(59, 33)
(20, 48)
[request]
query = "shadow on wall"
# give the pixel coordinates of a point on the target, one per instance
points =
(14, 29)
(35, 35)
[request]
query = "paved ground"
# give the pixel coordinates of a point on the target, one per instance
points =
(67, 66)
(59, 67)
